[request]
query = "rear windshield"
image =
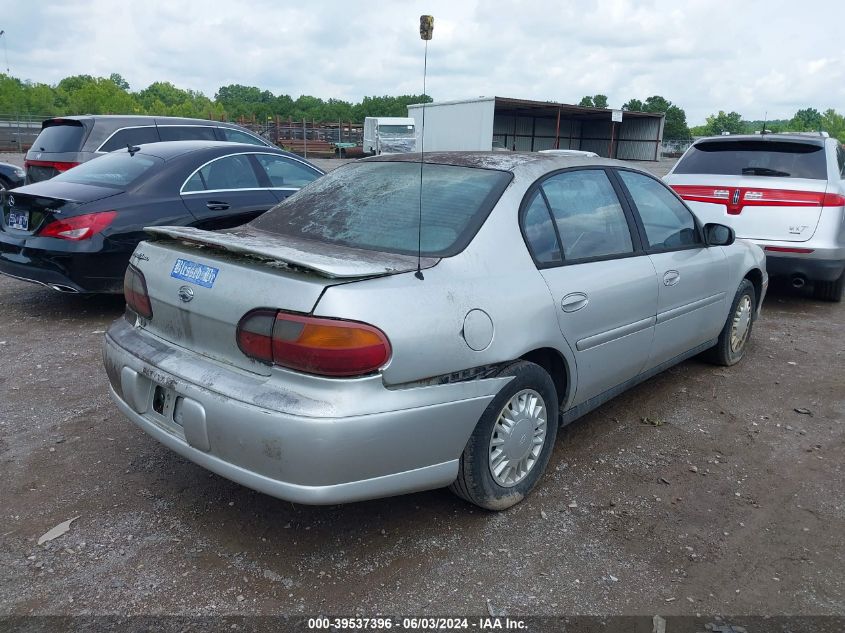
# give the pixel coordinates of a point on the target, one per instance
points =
(755, 158)
(376, 206)
(118, 169)
(60, 137)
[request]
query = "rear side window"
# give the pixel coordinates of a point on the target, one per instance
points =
(285, 172)
(118, 170)
(668, 223)
(186, 133)
(130, 136)
(227, 173)
(236, 136)
(755, 158)
(376, 206)
(589, 218)
(63, 136)
(540, 232)
(840, 157)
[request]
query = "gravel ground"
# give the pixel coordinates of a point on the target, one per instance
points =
(734, 504)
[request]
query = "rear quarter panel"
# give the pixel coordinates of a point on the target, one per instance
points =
(424, 319)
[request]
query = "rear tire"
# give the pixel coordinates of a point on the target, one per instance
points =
(512, 442)
(736, 333)
(830, 290)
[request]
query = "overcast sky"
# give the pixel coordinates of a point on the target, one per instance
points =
(704, 55)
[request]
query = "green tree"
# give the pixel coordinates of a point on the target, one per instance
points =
(119, 81)
(834, 124)
(595, 101)
(806, 120)
(675, 125)
(634, 104)
(724, 122)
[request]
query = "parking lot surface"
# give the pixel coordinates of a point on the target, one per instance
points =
(703, 490)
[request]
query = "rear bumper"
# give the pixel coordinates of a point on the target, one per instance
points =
(362, 441)
(824, 262)
(23, 269)
(82, 271)
(815, 269)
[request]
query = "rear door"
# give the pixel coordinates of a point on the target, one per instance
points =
(227, 192)
(764, 189)
(691, 296)
(286, 175)
(603, 285)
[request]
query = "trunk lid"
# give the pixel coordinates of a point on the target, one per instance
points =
(328, 260)
(27, 209)
(202, 315)
(756, 207)
(201, 283)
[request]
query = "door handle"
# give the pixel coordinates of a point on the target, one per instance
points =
(671, 277)
(215, 205)
(574, 301)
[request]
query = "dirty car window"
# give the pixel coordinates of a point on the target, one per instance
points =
(375, 206)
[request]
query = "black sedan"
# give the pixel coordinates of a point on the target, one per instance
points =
(76, 232)
(11, 176)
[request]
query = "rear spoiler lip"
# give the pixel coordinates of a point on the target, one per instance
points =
(327, 260)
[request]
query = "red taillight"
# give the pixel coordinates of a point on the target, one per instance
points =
(833, 200)
(79, 227)
(787, 249)
(326, 347)
(58, 165)
(736, 198)
(135, 292)
(695, 193)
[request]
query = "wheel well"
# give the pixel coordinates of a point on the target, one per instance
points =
(552, 361)
(756, 278)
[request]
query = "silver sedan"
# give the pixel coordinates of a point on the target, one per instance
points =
(398, 326)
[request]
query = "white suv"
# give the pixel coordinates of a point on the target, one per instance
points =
(784, 192)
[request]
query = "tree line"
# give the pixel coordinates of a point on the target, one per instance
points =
(675, 126)
(85, 94)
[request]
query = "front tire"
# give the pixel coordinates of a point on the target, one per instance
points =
(512, 442)
(830, 290)
(736, 333)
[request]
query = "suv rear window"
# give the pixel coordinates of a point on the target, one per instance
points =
(755, 158)
(376, 206)
(118, 169)
(60, 136)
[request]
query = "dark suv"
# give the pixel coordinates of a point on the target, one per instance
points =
(67, 141)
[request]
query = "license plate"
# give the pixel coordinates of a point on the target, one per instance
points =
(195, 273)
(18, 220)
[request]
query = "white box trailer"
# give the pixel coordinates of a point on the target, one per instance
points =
(521, 125)
(389, 135)
(456, 125)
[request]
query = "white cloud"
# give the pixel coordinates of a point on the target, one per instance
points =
(704, 55)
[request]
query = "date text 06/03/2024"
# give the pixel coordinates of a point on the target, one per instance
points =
(418, 623)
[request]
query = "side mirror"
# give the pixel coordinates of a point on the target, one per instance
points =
(718, 235)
